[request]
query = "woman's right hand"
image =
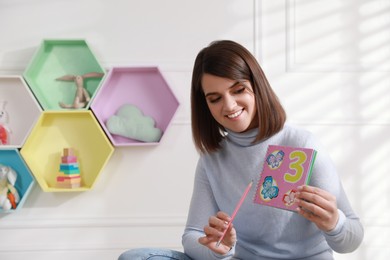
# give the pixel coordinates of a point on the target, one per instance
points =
(214, 231)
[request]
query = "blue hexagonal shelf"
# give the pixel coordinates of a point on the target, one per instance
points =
(24, 181)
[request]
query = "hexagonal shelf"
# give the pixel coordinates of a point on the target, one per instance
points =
(56, 130)
(142, 87)
(20, 107)
(24, 181)
(55, 59)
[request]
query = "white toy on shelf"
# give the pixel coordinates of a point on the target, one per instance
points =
(9, 196)
(4, 129)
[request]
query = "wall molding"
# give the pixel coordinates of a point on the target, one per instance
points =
(98, 236)
(292, 65)
(77, 247)
(88, 222)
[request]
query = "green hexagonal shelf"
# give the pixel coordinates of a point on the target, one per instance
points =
(24, 181)
(58, 58)
(19, 111)
(57, 130)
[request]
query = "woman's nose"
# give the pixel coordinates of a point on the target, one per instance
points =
(230, 103)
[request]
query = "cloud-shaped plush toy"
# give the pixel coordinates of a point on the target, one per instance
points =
(130, 122)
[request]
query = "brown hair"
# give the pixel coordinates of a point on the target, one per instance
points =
(228, 59)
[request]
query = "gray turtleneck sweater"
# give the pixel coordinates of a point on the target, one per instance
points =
(264, 232)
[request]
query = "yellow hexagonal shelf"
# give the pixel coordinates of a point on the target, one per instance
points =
(57, 131)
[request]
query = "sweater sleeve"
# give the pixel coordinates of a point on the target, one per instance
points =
(348, 233)
(202, 207)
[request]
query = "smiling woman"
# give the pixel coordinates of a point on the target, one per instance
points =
(235, 117)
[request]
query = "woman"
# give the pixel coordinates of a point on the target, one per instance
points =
(235, 116)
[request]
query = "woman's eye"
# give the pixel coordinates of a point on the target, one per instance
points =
(214, 100)
(240, 90)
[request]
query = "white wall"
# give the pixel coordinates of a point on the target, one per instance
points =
(327, 60)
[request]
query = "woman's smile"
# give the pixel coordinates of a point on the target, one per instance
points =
(235, 115)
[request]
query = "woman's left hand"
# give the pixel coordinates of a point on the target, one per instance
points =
(318, 206)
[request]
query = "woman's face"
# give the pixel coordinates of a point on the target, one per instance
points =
(231, 102)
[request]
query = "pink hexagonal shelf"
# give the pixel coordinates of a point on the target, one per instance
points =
(52, 73)
(24, 181)
(19, 110)
(143, 89)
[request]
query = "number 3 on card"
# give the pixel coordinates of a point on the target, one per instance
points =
(298, 158)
